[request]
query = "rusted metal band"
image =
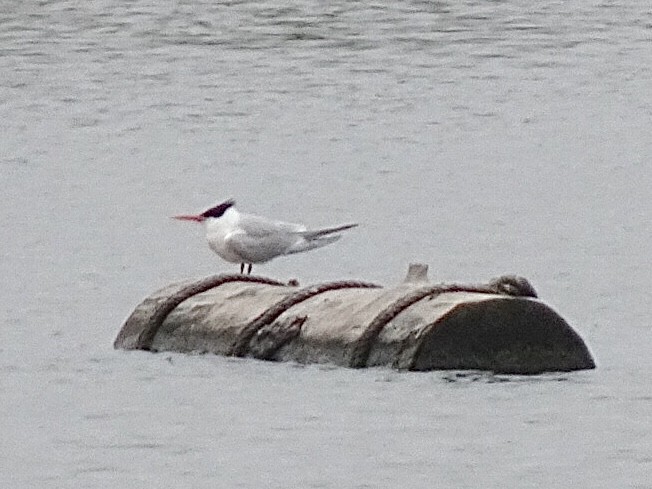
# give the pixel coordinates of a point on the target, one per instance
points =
(164, 308)
(241, 344)
(506, 285)
(510, 285)
(363, 344)
(513, 285)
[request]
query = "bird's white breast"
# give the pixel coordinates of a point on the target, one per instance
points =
(218, 230)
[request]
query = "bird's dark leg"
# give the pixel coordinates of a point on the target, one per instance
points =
(242, 268)
(249, 269)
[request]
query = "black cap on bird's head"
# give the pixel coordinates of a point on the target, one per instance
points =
(217, 211)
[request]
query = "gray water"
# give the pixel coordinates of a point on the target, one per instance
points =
(480, 137)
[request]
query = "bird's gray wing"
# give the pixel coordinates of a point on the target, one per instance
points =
(260, 248)
(261, 227)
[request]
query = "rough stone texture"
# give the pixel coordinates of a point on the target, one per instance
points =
(141, 328)
(412, 326)
(211, 321)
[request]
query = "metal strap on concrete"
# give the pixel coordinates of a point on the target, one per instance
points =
(164, 308)
(363, 345)
(241, 346)
(506, 285)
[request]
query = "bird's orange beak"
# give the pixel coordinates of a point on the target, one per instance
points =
(188, 217)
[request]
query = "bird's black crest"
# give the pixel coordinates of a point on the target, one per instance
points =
(219, 209)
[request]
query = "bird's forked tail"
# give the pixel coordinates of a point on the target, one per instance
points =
(318, 238)
(309, 235)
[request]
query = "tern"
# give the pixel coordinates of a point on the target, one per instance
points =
(247, 239)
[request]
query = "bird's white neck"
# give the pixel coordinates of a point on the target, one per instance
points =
(224, 224)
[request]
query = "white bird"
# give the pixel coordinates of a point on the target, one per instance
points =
(247, 239)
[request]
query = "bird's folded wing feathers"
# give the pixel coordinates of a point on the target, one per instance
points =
(259, 226)
(258, 249)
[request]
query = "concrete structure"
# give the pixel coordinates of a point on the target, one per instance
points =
(500, 326)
